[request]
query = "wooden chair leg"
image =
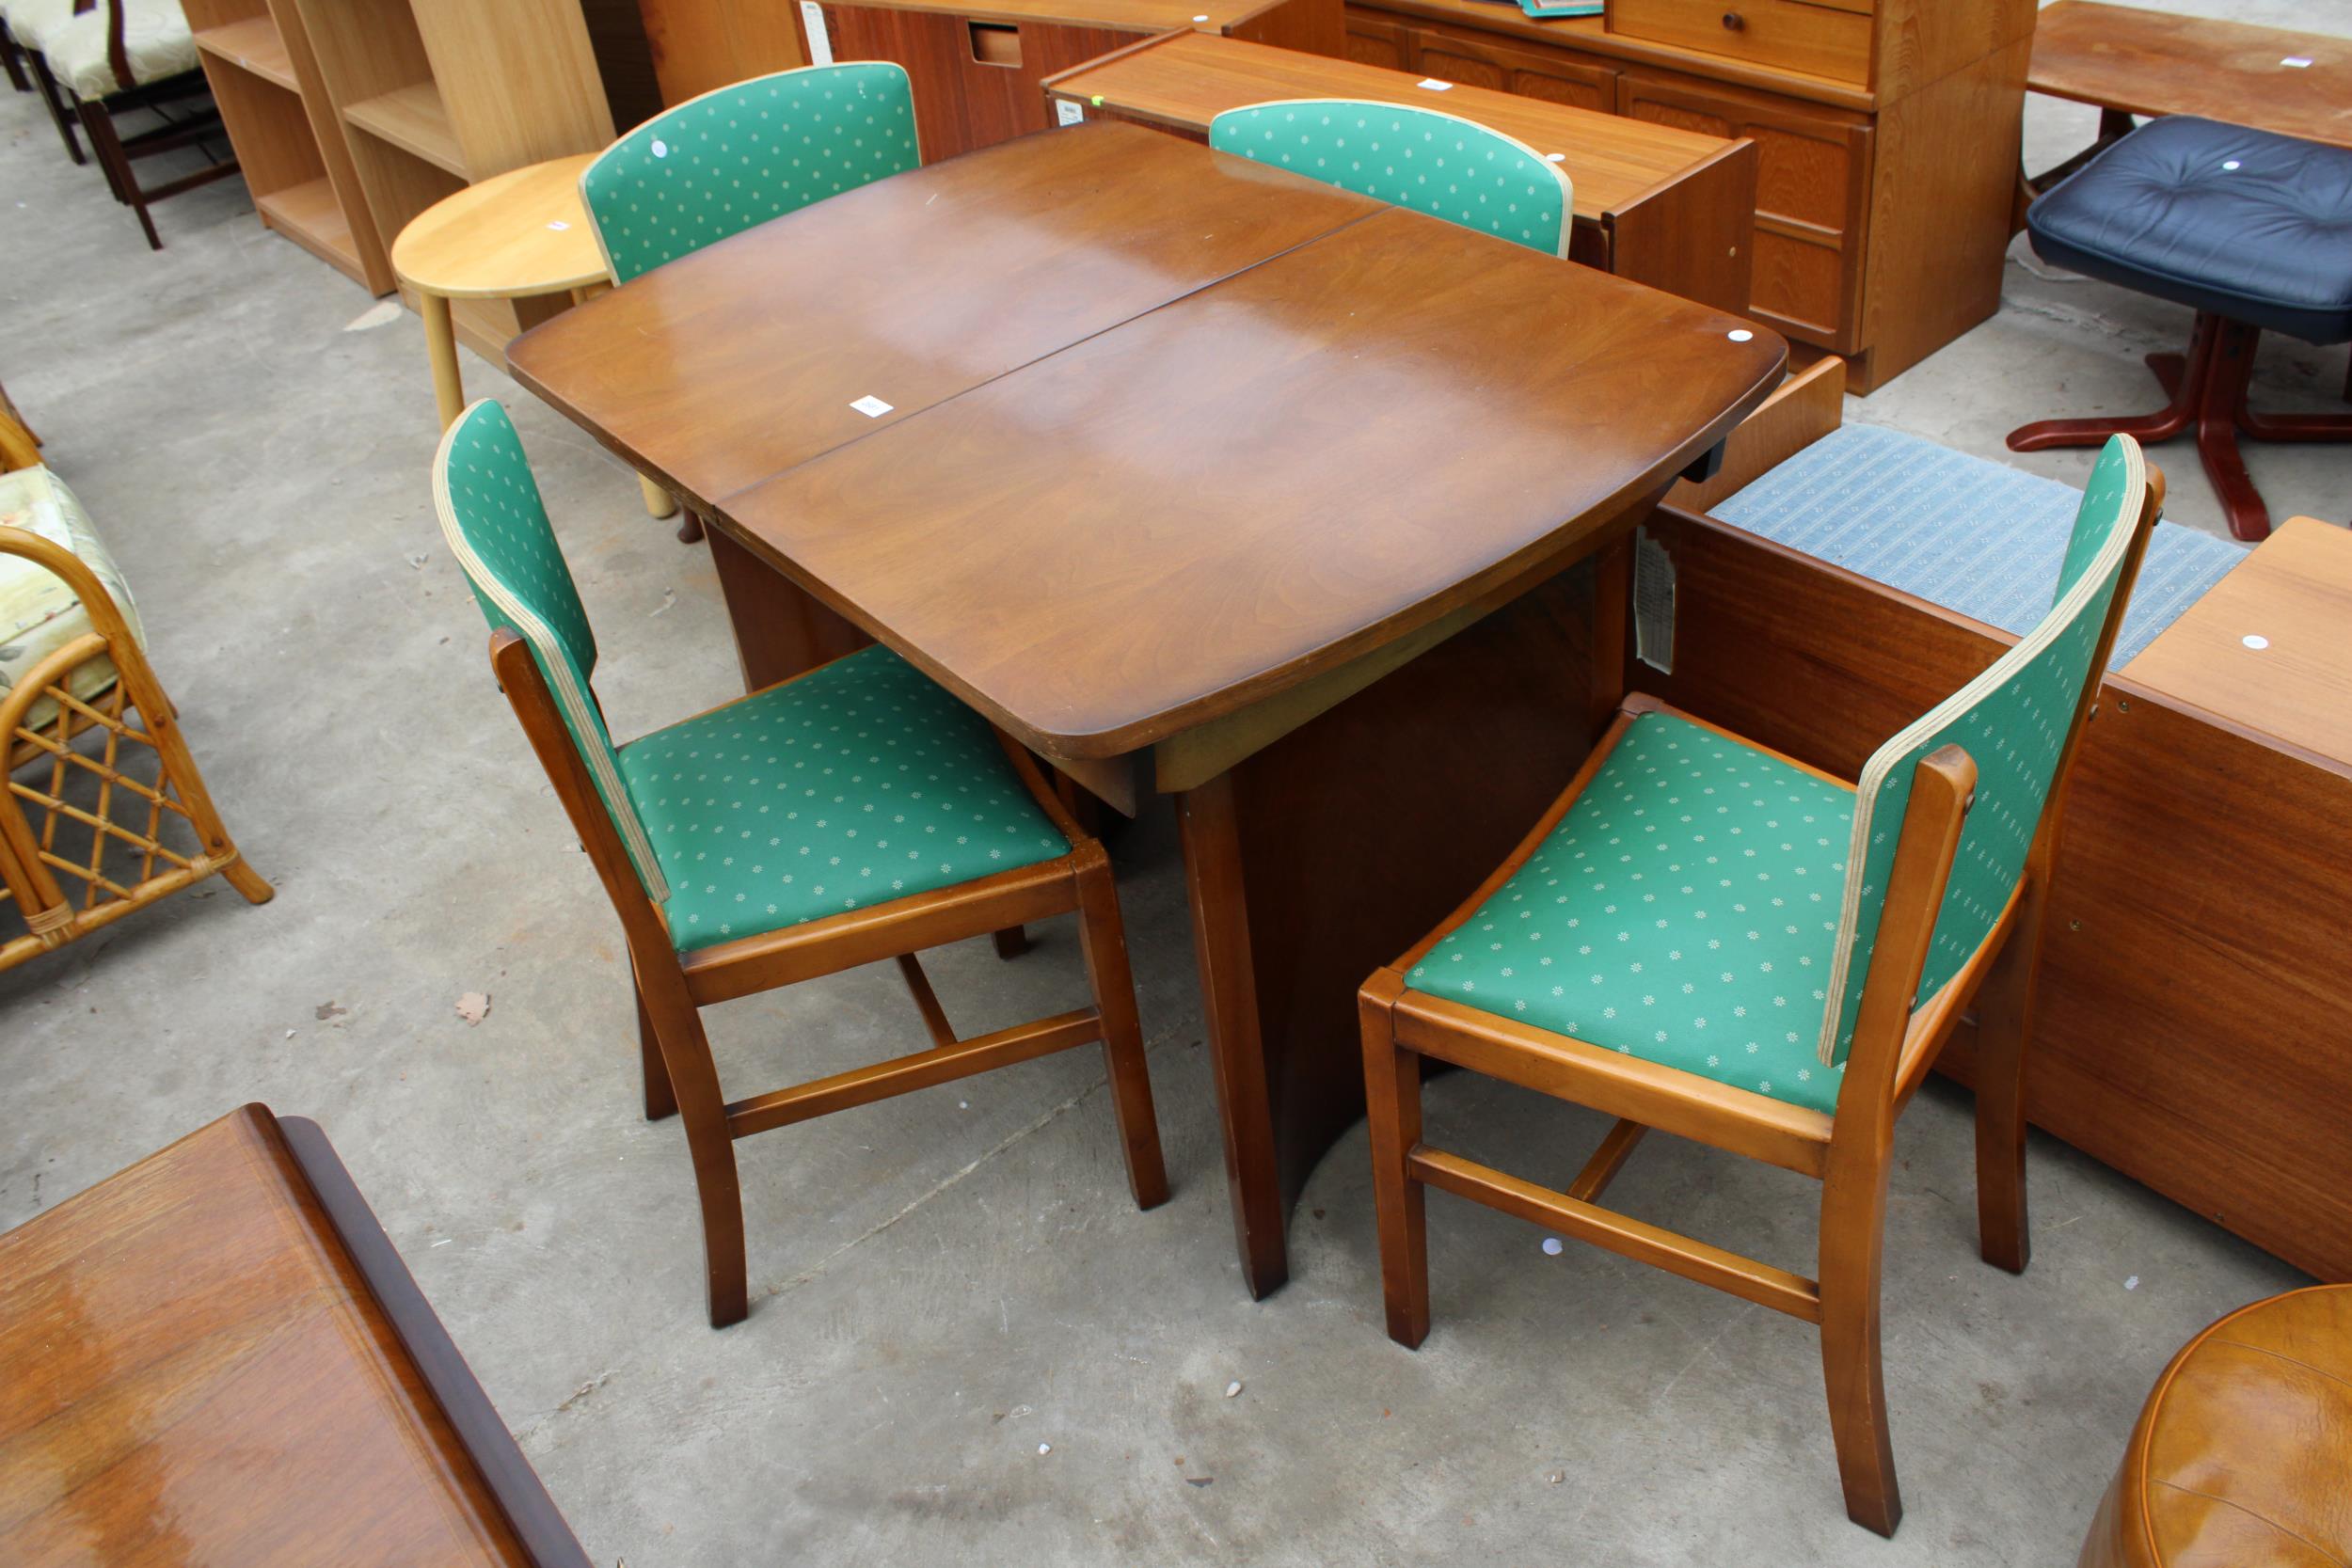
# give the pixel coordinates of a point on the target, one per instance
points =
(1011, 941)
(1103, 937)
(12, 61)
(660, 1103)
(694, 1083)
(1392, 1096)
(2004, 1023)
(109, 145)
(52, 97)
(1854, 1220)
(689, 526)
(247, 881)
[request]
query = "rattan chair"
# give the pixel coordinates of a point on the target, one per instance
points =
(104, 811)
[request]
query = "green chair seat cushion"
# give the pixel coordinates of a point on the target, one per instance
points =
(1684, 911)
(859, 783)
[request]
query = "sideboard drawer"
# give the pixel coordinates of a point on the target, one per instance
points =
(1820, 39)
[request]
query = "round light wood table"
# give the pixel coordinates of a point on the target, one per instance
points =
(513, 236)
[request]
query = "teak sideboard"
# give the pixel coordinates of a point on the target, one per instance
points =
(1887, 132)
(980, 68)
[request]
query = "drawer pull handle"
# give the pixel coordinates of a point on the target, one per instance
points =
(1734, 21)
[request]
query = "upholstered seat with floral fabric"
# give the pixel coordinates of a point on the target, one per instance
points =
(156, 38)
(860, 783)
(1684, 911)
(39, 612)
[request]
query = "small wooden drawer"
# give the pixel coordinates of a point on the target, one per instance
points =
(1822, 37)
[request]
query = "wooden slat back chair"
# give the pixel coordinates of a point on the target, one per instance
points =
(806, 854)
(100, 58)
(92, 830)
(1708, 938)
(1439, 163)
(740, 156)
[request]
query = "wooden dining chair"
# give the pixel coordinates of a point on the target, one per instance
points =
(1439, 163)
(95, 60)
(853, 814)
(740, 156)
(1708, 938)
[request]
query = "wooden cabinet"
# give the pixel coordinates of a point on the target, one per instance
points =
(1812, 195)
(1886, 132)
(1791, 35)
(1371, 40)
(980, 72)
(1556, 75)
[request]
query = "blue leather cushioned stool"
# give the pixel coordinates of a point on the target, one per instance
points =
(2251, 230)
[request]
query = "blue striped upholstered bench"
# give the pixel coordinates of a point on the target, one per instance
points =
(1977, 537)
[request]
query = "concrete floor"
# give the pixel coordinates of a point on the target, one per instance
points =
(947, 1284)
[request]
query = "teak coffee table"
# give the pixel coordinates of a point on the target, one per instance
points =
(1200, 478)
(2130, 61)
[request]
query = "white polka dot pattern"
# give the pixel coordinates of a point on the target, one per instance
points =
(1439, 163)
(859, 783)
(2013, 720)
(738, 156)
(1684, 911)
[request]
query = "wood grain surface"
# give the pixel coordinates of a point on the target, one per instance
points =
(736, 362)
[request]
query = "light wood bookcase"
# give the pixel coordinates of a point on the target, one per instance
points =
(289, 139)
(431, 95)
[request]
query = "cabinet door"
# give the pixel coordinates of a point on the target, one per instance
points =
(1557, 75)
(1812, 197)
(1375, 41)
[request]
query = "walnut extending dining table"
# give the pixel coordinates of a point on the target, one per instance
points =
(1196, 477)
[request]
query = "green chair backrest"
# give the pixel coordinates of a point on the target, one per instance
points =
(1439, 163)
(491, 514)
(742, 154)
(2013, 721)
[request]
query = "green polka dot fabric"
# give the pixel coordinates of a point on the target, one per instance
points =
(1712, 908)
(496, 524)
(1439, 163)
(719, 164)
(1684, 911)
(2013, 720)
(859, 783)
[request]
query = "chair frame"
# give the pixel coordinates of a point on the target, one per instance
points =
(680, 1075)
(1895, 1043)
(29, 863)
(117, 153)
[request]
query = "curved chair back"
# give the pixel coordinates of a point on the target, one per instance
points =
(1439, 163)
(2017, 721)
(740, 156)
(496, 524)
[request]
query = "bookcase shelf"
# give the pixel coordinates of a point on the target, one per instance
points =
(264, 75)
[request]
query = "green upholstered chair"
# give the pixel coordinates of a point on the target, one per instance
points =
(1439, 163)
(1710, 938)
(853, 814)
(740, 156)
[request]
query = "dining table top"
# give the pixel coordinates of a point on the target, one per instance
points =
(1168, 431)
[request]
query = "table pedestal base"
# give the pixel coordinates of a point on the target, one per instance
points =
(1332, 850)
